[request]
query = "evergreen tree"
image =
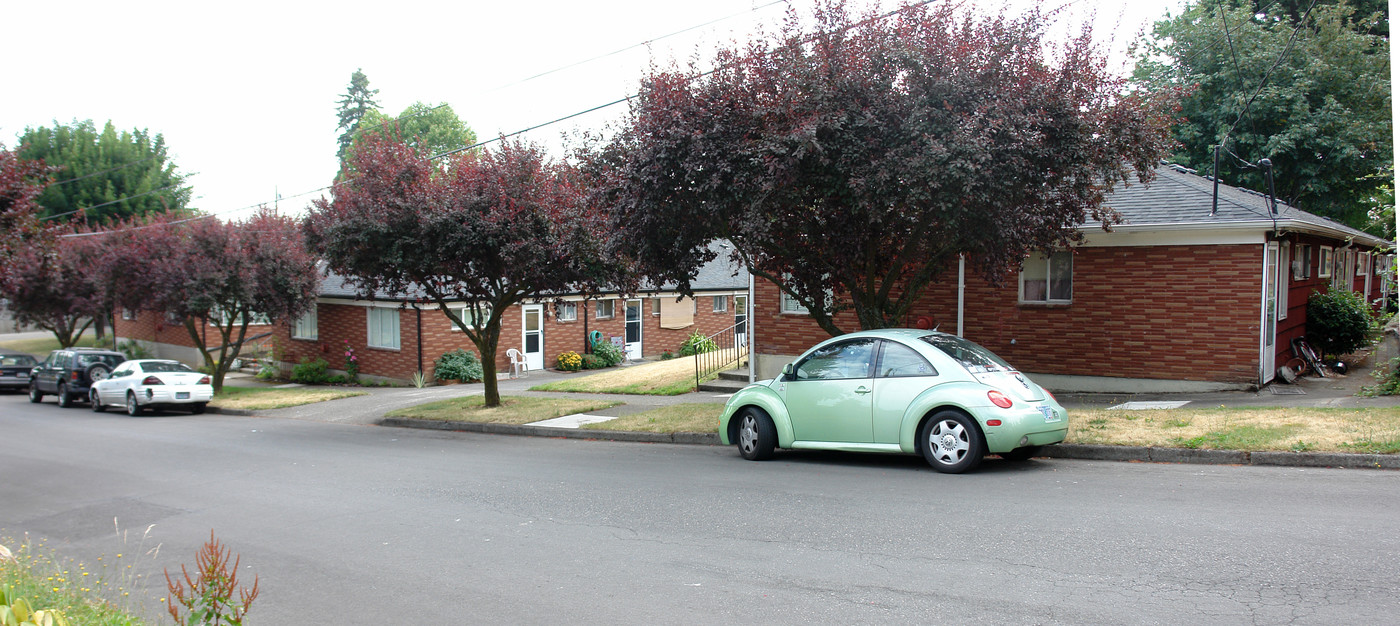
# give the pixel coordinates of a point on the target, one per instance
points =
(354, 105)
(104, 176)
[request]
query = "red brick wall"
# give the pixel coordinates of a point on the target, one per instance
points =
(339, 323)
(1162, 312)
(153, 327)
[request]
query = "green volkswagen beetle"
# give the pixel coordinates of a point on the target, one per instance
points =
(897, 390)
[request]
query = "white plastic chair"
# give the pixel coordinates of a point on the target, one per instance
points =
(517, 363)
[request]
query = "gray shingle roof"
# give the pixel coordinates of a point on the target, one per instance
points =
(1179, 198)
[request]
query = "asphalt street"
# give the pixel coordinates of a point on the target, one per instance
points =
(348, 524)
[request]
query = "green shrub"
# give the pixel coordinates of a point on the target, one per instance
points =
(1338, 322)
(593, 362)
(310, 371)
(609, 353)
(458, 365)
(666, 355)
(697, 343)
(135, 350)
(1387, 380)
(569, 361)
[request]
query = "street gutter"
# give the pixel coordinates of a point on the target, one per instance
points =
(1060, 451)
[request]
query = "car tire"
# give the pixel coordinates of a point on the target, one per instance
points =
(951, 442)
(133, 408)
(98, 371)
(1021, 454)
(96, 404)
(35, 395)
(196, 408)
(64, 400)
(756, 436)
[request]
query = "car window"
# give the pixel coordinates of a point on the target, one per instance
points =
(161, 366)
(898, 360)
(846, 359)
(85, 360)
(121, 372)
(970, 355)
(17, 359)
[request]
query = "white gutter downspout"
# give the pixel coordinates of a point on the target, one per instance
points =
(962, 286)
(748, 330)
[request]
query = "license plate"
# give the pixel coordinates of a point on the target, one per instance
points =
(1049, 414)
(185, 395)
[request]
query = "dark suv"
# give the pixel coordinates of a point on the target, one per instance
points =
(68, 373)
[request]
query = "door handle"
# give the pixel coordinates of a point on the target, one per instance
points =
(862, 390)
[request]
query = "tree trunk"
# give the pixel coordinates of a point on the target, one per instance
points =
(490, 339)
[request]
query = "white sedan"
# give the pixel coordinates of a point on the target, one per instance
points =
(152, 383)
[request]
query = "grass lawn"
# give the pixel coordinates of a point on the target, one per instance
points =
(660, 378)
(42, 346)
(678, 418)
(257, 398)
(84, 593)
(513, 409)
(1371, 430)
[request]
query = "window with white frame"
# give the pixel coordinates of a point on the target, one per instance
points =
(656, 306)
(219, 317)
(604, 309)
(468, 317)
(1324, 261)
(791, 305)
(1302, 262)
(721, 304)
(1283, 265)
(568, 312)
(305, 326)
(1363, 263)
(383, 329)
(128, 314)
(1047, 278)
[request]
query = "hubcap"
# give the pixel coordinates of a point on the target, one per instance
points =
(748, 434)
(948, 441)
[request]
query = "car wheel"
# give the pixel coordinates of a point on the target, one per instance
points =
(96, 404)
(951, 442)
(64, 400)
(132, 408)
(35, 395)
(98, 371)
(1021, 454)
(196, 408)
(757, 436)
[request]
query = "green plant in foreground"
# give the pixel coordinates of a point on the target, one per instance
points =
(570, 361)
(15, 611)
(1387, 380)
(310, 371)
(419, 380)
(208, 596)
(1339, 322)
(697, 343)
(609, 353)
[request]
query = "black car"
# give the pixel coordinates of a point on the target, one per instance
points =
(15, 369)
(68, 373)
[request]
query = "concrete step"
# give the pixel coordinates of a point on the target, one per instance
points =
(721, 385)
(741, 375)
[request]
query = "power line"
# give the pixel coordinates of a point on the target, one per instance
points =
(95, 206)
(106, 171)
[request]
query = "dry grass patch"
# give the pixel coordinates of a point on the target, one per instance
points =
(1371, 430)
(263, 398)
(677, 418)
(660, 378)
(513, 409)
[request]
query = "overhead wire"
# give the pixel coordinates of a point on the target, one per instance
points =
(488, 141)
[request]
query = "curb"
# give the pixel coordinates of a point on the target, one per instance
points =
(557, 433)
(222, 411)
(1059, 451)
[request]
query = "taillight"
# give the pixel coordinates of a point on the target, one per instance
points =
(998, 398)
(152, 380)
(205, 381)
(1052, 396)
(994, 422)
(75, 374)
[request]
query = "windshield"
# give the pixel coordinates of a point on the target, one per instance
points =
(17, 359)
(970, 355)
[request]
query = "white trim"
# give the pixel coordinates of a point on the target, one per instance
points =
(1324, 266)
(1268, 323)
(1285, 270)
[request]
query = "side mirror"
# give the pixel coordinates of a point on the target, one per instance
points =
(789, 372)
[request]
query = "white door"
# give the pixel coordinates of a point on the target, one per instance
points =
(533, 336)
(633, 330)
(1270, 325)
(741, 318)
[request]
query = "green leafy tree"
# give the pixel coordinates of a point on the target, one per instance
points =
(357, 102)
(1322, 116)
(851, 162)
(105, 176)
(431, 130)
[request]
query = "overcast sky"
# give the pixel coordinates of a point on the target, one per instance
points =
(245, 93)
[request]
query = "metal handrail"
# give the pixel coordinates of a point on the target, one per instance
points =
(730, 347)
